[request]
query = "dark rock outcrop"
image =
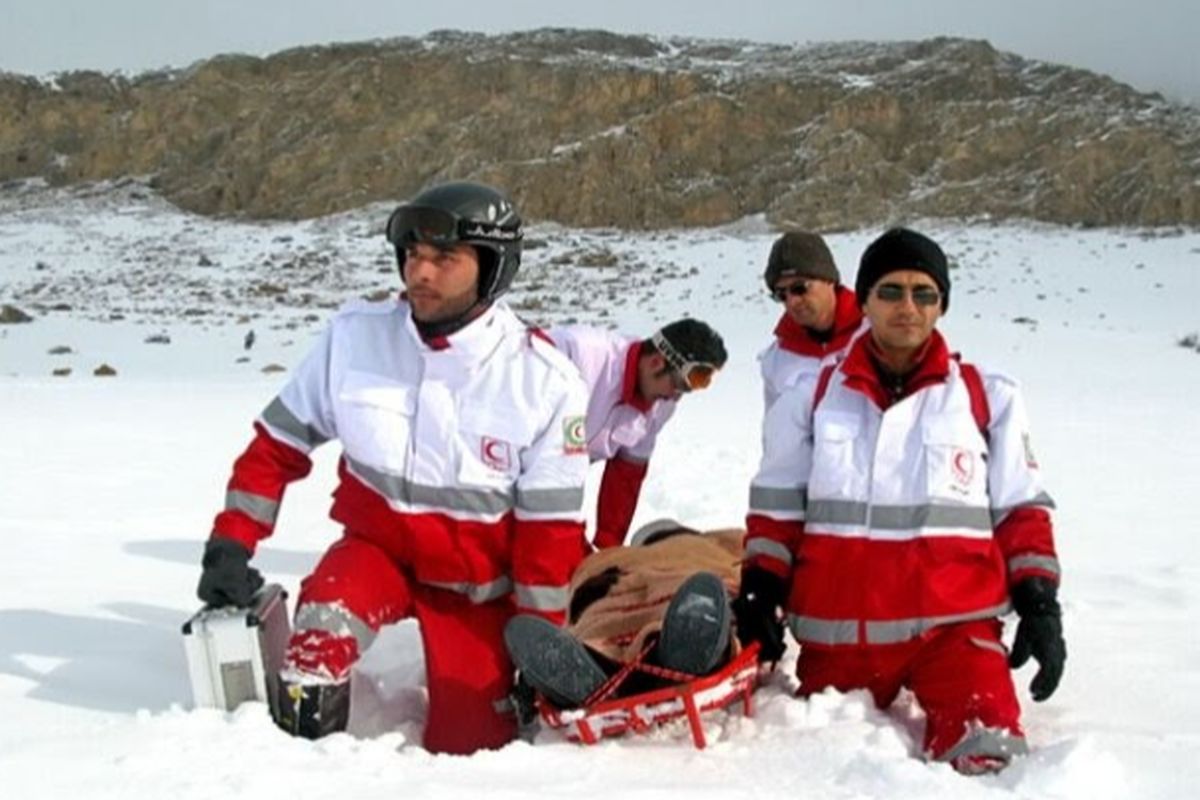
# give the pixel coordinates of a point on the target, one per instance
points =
(592, 128)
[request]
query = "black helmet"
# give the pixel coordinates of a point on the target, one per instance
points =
(464, 213)
(690, 340)
(693, 349)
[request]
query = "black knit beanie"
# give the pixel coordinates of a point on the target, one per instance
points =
(897, 249)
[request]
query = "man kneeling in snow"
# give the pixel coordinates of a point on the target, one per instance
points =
(664, 600)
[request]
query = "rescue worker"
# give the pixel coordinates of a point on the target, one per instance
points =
(663, 600)
(634, 385)
(820, 316)
(898, 512)
(460, 481)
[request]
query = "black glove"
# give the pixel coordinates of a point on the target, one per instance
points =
(1039, 634)
(228, 579)
(757, 610)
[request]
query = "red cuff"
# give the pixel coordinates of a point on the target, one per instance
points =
(264, 470)
(776, 541)
(1026, 538)
(545, 555)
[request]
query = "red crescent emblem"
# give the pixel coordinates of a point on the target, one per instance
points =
(963, 464)
(495, 453)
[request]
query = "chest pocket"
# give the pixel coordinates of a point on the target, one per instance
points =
(834, 471)
(955, 467)
(490, 443)
(375, 420)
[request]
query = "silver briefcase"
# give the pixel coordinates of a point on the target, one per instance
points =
(234, 654)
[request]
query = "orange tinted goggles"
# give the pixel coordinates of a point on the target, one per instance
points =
(687, 375)
(693, 376)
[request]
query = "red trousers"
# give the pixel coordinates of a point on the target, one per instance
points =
(467, 667)
(958, 673)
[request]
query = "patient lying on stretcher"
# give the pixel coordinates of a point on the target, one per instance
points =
(662, 603)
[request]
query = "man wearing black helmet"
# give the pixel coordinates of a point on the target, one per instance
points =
(460, 482)
(633, 386)
(898, 512)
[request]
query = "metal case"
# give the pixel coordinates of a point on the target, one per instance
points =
(234, 654)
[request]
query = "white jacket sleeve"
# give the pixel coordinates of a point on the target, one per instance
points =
(302, 413)
(778, 490)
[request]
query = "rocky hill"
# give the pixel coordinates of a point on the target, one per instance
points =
(596, 129)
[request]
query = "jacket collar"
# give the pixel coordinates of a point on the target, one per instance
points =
(630, 395)
(864, 371)
(847, 318)
(472, 342)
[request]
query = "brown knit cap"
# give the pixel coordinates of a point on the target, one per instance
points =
(800, 253)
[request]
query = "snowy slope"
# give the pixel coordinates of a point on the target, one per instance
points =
(108, 487)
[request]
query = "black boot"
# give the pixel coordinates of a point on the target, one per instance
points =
(695, 631)
(552, 661)
(311, 710)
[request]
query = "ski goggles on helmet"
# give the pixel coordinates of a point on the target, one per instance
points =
(411, 225)
(688, 375)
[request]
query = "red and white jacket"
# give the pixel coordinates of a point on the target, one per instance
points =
(893, 516)
(795, 352)
(463, 459)
(622, 427)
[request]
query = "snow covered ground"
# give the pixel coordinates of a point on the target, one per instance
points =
(108, 486)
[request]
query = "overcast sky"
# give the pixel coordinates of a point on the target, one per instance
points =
(1151, 44)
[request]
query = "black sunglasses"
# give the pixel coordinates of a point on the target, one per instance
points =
(921, 295)
(781, 293)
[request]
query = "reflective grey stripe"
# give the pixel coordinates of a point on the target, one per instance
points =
(1044, 500)
(837, 512)
(845, 631)
(901, 630)
(768, 547)
(504, 705)
(476, 592)
(823, 631)
(542, 598)
(899, 518)
(279, 416)
(550, 501)
(258, 508)
(451, 498)
(988, 742)
(1044, 563)
(767, 498)
(335, 619)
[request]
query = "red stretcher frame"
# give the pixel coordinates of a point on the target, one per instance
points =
(600, 716)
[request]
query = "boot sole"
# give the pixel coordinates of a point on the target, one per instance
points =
(695, 632)
(552, 661)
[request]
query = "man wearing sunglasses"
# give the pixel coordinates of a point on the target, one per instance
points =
(460, 482)
(820, 316)
(633, 387)
(899, 512)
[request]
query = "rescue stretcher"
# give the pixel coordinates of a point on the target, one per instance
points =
(604, 715)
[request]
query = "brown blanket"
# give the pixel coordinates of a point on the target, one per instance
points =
(646, 577)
